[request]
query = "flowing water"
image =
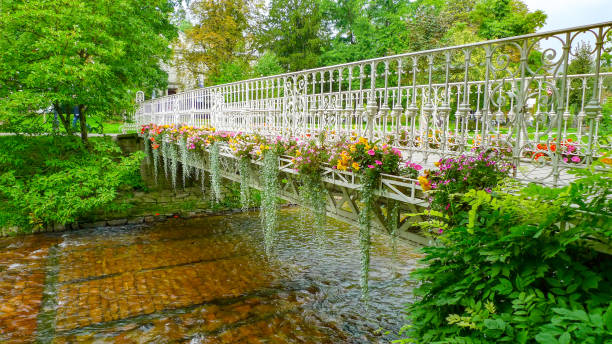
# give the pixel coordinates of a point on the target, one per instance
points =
(204, 280)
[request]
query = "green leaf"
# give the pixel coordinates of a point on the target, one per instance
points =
(546, 338)
(607, 318)
(504, 287)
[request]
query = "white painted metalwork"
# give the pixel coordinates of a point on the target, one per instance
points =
(502, 93)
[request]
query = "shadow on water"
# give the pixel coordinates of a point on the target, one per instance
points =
(205, 280)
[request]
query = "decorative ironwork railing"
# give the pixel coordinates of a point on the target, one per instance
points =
(505, 93)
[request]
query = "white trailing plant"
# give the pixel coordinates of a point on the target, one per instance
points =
(245, 178)
(314, 197)
(215, 173)
(173, 162)
(365, 229)
(182, 142)
(165, 147)
(147, 147)
(155, 154)
(392, 225)
(269, 198)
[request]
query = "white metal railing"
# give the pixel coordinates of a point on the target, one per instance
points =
(429, 104)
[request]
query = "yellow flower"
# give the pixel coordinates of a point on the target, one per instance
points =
(353, 148)
(355, 166)
(298, 153)
(437, 163)
(424, 183)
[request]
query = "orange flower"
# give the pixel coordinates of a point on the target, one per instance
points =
(607, 161)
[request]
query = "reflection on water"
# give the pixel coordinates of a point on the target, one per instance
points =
(204, 280)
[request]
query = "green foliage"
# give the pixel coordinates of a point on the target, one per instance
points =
(267, 64)
(294, 31)
(605, 126)
(90, 54)
(47, 180)
(505, 18)
(234, 70)
(519, 267)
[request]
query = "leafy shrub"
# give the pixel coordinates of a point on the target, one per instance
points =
(519, 267)
(47, 180)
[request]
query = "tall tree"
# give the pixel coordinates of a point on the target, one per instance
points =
(582, 63)
(91, 55)
(294, 30)
(216, 38)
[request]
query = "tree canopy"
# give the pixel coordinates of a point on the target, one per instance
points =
(93, 55)
(311, 33)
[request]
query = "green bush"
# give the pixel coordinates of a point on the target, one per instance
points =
(47, 180)
(519, 267)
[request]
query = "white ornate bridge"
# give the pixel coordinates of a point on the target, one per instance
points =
(506, 93)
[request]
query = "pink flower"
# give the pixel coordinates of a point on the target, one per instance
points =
(371, 152)
(378, 162)
(575, 159)
(440, 230)
(565, 160)
(371, 166)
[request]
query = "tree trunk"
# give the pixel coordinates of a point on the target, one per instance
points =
(83, 125)
(65, 119)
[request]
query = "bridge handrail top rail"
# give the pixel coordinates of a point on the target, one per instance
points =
(582, 28)
(453, 83)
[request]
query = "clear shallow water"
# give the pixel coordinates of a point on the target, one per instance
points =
(203, 280)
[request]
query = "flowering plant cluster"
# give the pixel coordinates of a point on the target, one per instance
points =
(308, 155)
(461, 174)
(566, 148)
